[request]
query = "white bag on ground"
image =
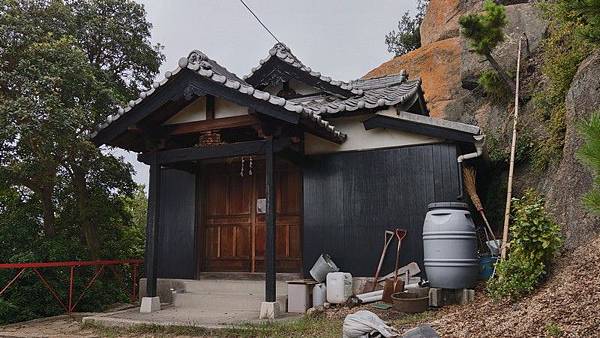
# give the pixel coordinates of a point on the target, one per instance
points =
(366, 324)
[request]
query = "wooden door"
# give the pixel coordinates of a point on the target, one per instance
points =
(234, 226)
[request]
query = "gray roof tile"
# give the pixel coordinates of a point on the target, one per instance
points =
(202, 65)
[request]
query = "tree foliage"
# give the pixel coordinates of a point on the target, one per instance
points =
(485, 31)
(408, 36)
(589, 153)
(64, 67)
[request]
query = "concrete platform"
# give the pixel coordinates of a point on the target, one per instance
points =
(211, 303)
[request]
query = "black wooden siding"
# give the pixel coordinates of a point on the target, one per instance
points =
(177, 225)
(351, 198)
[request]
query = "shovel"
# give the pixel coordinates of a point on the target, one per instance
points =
(388, 237)
(396, 285)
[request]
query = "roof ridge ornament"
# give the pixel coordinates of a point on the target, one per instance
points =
(196, 57)
(282, 47)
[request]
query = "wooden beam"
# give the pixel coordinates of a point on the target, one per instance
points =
(270, 254)
(167, 157)
(152, 227)
(210, 107)
(210, 124)
(379, 121)
(174, 90)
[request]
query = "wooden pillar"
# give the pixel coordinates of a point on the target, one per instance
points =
(152, 227)
(270, 258)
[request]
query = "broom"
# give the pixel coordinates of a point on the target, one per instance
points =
(471, 187)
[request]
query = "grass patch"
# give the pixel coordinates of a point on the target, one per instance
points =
(306, 326)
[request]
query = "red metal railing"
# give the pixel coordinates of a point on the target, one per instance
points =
(70, 306)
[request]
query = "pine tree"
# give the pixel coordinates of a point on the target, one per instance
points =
(485, 31)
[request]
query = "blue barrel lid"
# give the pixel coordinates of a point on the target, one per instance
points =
(448, 205)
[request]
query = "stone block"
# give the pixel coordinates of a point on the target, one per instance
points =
(435, 297)
(269, 310)
(466, 296)
(150, 304)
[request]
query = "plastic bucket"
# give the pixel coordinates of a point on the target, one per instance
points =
(409, 302)
(494, 246)
(322, 267)
(486, 267)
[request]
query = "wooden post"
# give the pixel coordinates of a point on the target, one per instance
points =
(152, 227)
(270, 268)
(511, 167)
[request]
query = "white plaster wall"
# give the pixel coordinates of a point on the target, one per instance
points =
(196, 111)
(224, 108)
(361, 139)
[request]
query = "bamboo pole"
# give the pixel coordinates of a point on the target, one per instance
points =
(511, 167)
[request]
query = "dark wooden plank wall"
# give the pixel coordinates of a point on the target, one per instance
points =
(351, 198)
(177, 229)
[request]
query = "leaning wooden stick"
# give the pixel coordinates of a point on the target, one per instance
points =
(511, 167)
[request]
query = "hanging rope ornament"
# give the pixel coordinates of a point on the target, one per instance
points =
(250, 171)
(242, 169)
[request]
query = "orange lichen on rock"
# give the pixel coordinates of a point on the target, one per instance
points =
(437, 64)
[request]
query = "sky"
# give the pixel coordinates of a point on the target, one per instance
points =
(343, 39)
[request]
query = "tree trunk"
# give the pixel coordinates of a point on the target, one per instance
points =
(503, 74)
(47, 210)
(90, 233)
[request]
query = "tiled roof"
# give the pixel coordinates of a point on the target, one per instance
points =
(283, 53)
(378, 92)
(202, 65)
(369, 94)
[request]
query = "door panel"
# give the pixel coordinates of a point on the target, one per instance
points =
(234, 229)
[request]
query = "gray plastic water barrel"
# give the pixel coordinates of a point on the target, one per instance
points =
(450, 246)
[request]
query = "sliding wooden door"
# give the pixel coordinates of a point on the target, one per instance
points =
(234, 222)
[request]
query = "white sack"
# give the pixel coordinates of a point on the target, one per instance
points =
(364, 323)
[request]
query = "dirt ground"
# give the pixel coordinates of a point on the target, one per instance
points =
(566, 305)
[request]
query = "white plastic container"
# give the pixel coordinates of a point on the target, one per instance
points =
(322, 267)
(319, 295)
(339, 287)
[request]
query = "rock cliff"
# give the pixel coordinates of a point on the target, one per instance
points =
(449, 72)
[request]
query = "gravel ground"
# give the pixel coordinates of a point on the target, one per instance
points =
(567, 305)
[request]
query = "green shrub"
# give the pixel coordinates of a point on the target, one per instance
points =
(589, 154)
(493, 86)
(553, 330)
(563, 51)
(499, 149)
(535, 238)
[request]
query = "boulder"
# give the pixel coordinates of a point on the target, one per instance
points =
(572, 179)
(441, 20)
(522, 18)
(437, 64)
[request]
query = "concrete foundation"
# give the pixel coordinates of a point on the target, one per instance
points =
(211, 303)
(269, 310)
(164, 288)
(440, 297)
(150, 304)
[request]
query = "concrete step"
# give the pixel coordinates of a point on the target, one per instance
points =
(230, 287)
(222, 302)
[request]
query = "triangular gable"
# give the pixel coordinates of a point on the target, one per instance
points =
(282, 66)
(195, 76)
